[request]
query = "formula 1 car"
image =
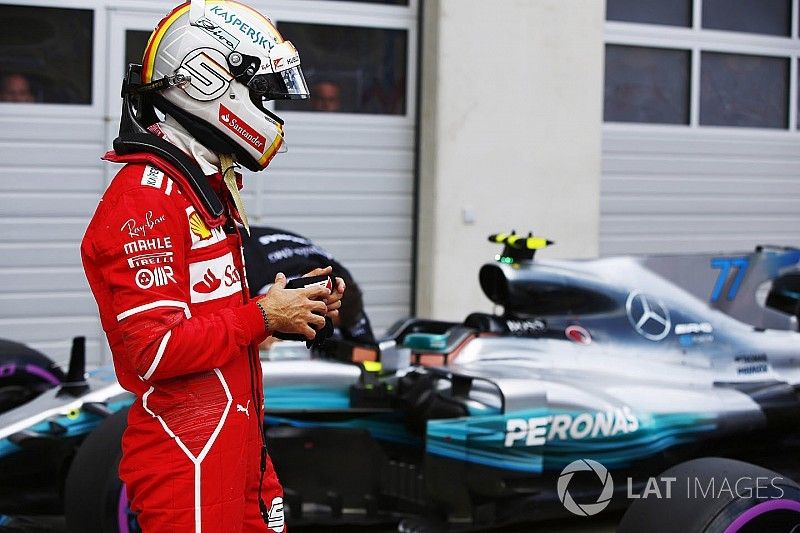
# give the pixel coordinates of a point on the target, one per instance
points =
(596, 372)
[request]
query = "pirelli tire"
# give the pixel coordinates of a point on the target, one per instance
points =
(717, 495)
(94, 499)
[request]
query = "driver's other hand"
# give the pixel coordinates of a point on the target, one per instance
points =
(334, 300)
(319, 271)
(295, 310)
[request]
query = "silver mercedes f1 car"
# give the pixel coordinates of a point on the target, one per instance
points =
(596, 377)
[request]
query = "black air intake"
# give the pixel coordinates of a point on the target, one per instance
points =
(75, 383)
(534, 289)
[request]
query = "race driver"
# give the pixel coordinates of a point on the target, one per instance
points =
(164, 261)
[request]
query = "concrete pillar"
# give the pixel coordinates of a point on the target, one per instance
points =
(510, 137)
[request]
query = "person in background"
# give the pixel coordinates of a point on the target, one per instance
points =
(268, 251)
(16, 88)
(326, 96)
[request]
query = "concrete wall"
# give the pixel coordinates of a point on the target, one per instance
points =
(510, 133)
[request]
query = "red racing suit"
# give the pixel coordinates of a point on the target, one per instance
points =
(170, 286)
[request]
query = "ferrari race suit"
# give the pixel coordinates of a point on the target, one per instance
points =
(170, 286)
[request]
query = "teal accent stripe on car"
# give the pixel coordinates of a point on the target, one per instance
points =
(306, 397)
(383, 426)
(483, 440)
(387, 427)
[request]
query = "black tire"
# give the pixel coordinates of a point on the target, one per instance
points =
(24, 374)
(762, 501)
(93, 492)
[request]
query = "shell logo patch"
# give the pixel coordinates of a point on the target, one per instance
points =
(200, 233)
(198, 227)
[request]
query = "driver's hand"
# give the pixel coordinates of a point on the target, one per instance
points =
(334, 301)
(295, 310)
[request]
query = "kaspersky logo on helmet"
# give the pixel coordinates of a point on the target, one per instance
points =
(241, 128)
(232, 19)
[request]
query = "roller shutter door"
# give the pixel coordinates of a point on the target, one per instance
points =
(701, 143)
(347, 180)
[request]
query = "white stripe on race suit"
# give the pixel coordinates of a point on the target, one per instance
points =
(197, 461)
(159, 354)
(154, 305)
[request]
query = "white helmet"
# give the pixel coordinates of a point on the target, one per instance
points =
(234, 60)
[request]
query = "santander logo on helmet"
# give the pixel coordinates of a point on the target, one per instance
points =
(241, 128)
(233, 61)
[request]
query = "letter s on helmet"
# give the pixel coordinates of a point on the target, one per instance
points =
(235, 60)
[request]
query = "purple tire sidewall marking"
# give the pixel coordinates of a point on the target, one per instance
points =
(43, 374)
(122, 510)
(760, 509)
(8, 370)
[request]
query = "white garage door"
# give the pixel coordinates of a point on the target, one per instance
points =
(701, 149)
(346, 182)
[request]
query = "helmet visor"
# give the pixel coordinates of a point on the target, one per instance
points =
(289, 84)
(295, 83)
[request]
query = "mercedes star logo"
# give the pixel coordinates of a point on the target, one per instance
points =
(648, 316)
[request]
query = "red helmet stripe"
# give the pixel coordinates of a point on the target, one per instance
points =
(149, 60)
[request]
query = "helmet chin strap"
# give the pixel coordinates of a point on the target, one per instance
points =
(197, 11)
(229, 177)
